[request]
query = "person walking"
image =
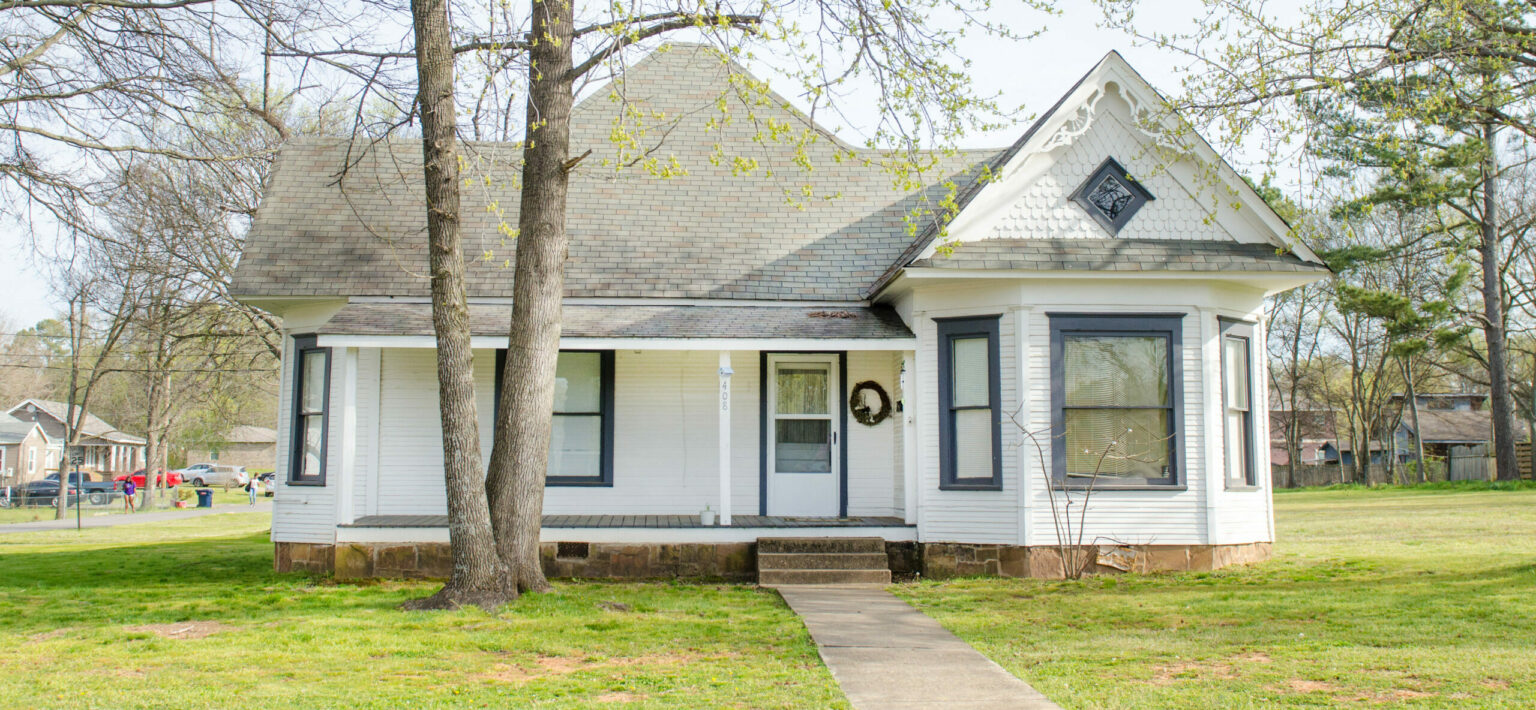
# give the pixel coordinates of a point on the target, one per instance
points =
(128, 492)
(250, 489)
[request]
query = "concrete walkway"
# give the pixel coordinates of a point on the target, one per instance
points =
(886, 654)
(115, 519)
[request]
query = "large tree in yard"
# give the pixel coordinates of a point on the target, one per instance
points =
(894, 49)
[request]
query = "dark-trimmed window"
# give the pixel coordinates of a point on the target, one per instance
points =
(311, 399)
(1111, 196)
(1115, 404)
(581, 435)
(970, 433)
(1237, 402)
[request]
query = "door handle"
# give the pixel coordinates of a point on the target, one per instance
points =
(834, 438)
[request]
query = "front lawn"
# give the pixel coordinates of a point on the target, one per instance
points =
(189, 614)
(1418, 598)
(164, 500)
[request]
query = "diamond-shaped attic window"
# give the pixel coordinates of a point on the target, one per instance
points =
(1111, 196)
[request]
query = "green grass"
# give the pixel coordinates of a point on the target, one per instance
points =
(1416, 598)
(221, 498)
(103, 619)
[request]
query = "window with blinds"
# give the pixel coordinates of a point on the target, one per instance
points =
(970, 440)
(1237, 402)
(311, 397)
(1115, 383)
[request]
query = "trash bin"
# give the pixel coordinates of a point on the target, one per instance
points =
(205, 497)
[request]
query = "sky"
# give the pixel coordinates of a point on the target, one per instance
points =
(1032, 73)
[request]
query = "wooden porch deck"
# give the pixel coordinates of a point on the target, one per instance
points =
(645, 521)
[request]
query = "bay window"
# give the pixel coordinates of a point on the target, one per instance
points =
(970, 434)
(1237, 402)
(1115, 400)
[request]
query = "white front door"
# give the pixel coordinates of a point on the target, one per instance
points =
(803, 435)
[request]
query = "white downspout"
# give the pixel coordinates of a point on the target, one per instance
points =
(725, 437)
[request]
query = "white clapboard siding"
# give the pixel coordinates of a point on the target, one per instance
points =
(1044, 210)
(872, 450)
(665, 435)
(305, 513)
(965, 516)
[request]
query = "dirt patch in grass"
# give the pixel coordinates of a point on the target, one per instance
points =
(46, 635)
(619, 697)
(1299, 685)
(1171, 673)
(553, 666)
(182, 629)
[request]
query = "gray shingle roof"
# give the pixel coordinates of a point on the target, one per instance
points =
(1170, 255)
(629, 321)
(15, 431)
(707, 234)
(92, 425)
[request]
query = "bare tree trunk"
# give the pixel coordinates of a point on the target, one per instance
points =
(520, 456)
(1493, 317)
(478, 576)
(1413, 415)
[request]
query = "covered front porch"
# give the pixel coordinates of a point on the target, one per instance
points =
(662, 413)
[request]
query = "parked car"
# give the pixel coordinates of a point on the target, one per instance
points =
(208, 474)
(45, 492)
(268, 483)
(162, 479)
(97, 491)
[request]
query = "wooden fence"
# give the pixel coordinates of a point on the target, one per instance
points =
(1523, 455)
(1323, 475)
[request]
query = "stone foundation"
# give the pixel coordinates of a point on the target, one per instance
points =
(737, 561)
(953, 559)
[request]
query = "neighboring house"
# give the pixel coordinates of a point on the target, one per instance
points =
(107, 450)
(23, 452)
(714, 335)
(1316, 432)
(254, 447)
(1342, 451)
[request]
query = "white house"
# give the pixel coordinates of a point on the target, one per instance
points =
(1105, 292)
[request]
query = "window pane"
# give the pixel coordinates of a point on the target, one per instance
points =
(1115, 371)
(579, 382)
(1235, 364)
(313, 396)
(971, 378)
(1136, 441)
(802, 390)
(973, 443)
(803, 445)
(313, 434)
(576, 446)
(1237, 450)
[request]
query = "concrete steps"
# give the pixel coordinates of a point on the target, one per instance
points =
(822, 561)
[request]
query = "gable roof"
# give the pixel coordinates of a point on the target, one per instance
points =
(92, 425)
(1449, 426)
(1112, 68)
(707, 234)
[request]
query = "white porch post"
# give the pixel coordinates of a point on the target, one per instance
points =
(725, 436)
(344, 506)
(909, 436)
